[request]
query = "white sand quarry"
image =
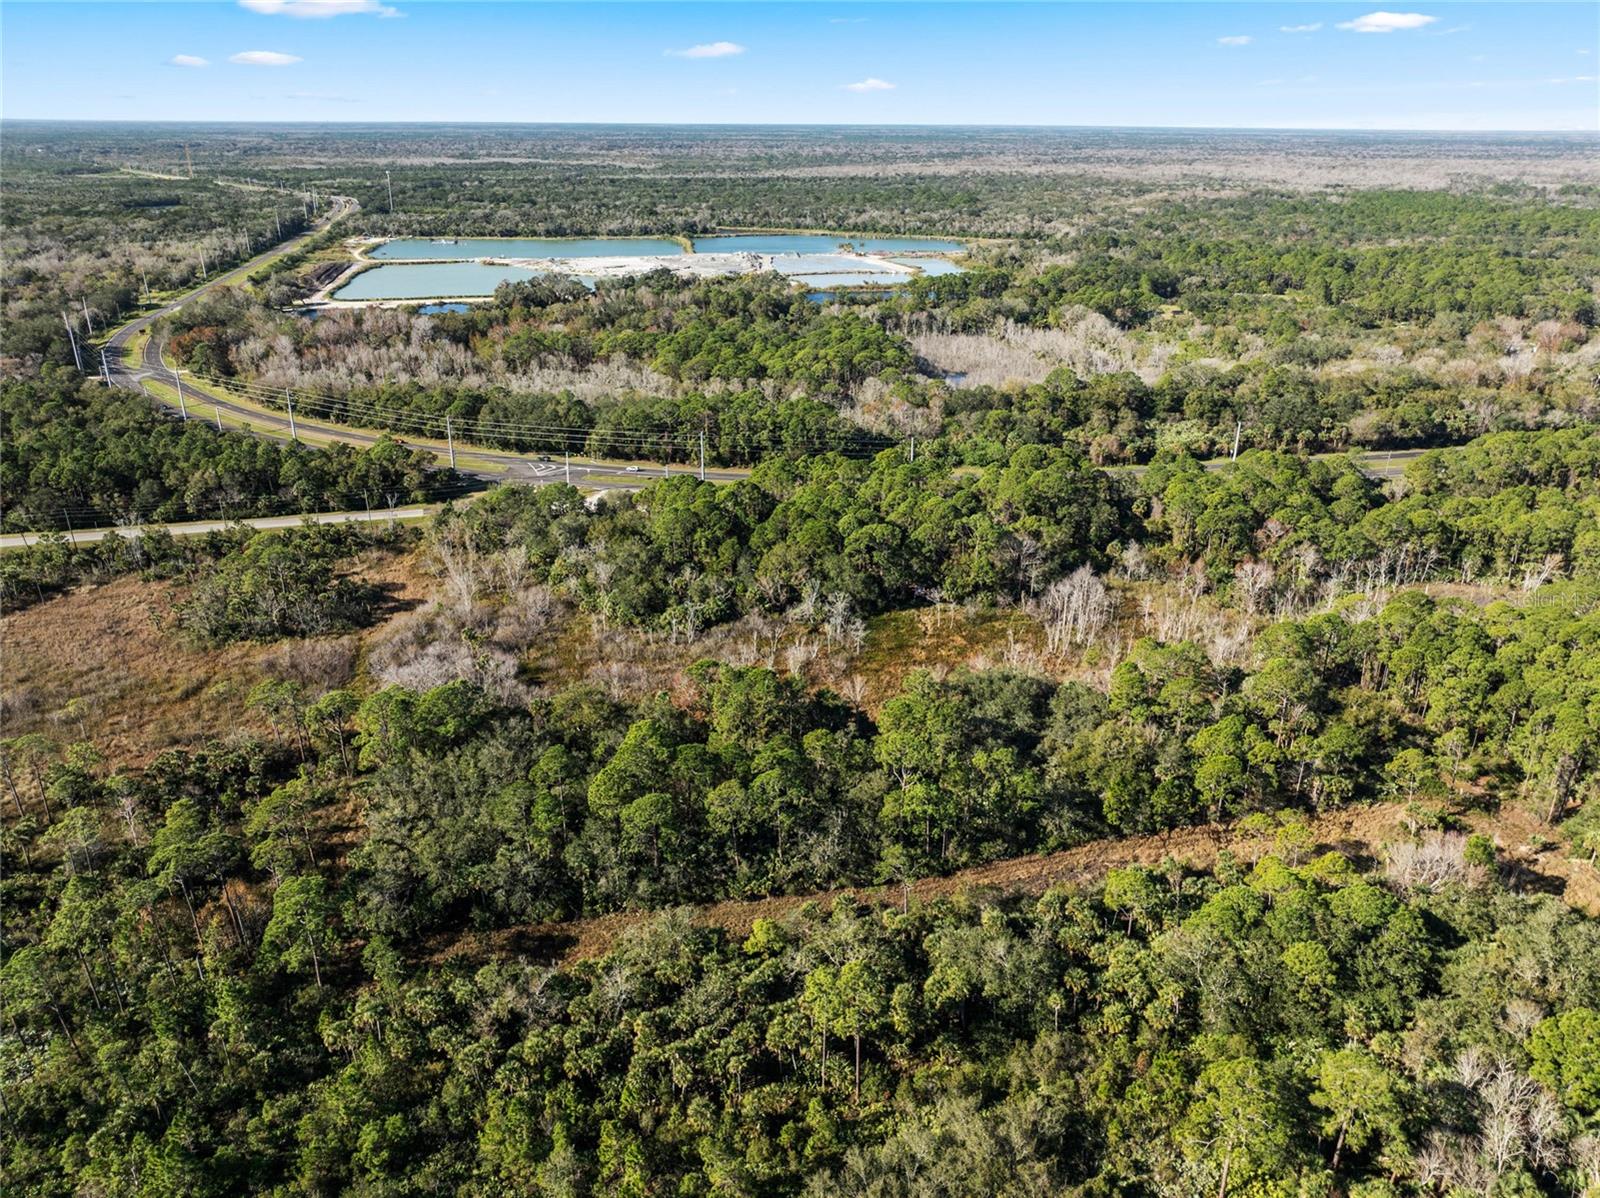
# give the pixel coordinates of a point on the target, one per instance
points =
(836, 269)
(702, 266)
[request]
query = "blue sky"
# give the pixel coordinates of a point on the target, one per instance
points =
(1521, 65)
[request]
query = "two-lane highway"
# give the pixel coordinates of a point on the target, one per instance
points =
(491, 465)
(117, 344)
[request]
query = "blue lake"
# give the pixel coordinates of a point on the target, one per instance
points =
(930, 266)
(850, 280)
(525, 247)
(819, 243)
(831, 264)
(430, 280)
(807, 259)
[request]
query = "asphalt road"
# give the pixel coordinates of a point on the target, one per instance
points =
(489, 465)
(503, 466)
(85, 536)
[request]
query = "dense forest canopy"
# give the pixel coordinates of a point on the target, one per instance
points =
(210, 1000)
(1000, 787)
(78, 454)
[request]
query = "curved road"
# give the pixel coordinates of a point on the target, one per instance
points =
(508, 467)
(505, 466)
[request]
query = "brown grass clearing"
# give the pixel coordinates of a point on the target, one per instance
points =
(144, 688)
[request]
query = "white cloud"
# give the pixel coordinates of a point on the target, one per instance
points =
(1311, 28)
(1387, 22)
(1584, 51)
(1238, 39)
(314, 10)
(188, 60)
(709, 50)
(264, 58)
(868, 85)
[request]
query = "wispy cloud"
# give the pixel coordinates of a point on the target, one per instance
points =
(709, 50)
(1388, 22)
(188, 60)
(869, 85)
(264, 58)
(317, 10)
(1311, 28)
(1237, 39)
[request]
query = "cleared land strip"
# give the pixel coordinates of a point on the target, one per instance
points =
(1528, 859)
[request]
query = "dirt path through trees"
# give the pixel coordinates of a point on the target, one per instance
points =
(1359, 833)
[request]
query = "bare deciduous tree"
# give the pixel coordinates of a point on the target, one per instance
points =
(1074, 610)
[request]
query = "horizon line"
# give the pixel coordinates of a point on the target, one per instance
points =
(246, 124)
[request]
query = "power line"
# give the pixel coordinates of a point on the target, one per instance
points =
(439, 424)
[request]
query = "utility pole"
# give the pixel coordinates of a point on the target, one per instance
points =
(702, 455)
(203, 271)
(567, 453)
(105, 367)
(1238, 431)
(278, 220)
(87, 323)
(217, 408)
(182, 406)
(289, 400)
(389, 183)
(913, 450)
(450, 438)
(73, 339)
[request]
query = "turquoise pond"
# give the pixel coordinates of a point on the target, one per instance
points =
(930, 266)
(430, 280)
(809, 260)
(471, 248)
(849, 280)
(819, 243)
(524, 247)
